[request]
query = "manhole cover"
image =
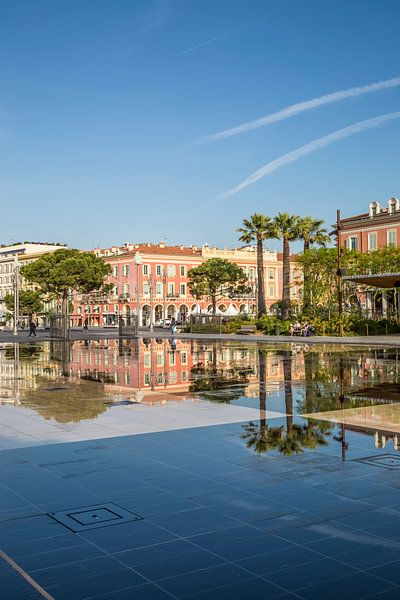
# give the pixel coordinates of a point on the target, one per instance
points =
(388, 461)
(91, 517)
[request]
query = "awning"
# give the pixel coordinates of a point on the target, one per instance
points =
(382, 280)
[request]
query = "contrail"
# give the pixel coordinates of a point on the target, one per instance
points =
(298, 108)
(221, 36)
(211, 40)
(313, 146)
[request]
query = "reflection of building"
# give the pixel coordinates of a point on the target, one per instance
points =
(162, 282)
(154, 366)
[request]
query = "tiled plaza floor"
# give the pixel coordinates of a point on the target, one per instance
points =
(219, 521)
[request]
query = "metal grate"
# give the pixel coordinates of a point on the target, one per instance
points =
(92, 517)
(387, 461)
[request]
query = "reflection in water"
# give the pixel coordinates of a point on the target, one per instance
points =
(357, 389)
(291, 439)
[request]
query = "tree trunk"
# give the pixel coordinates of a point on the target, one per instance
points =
(306, 281)
(261, 308)
(214, 305)
(64, 313)
(286, 280)
(287, 378)
(262, 392)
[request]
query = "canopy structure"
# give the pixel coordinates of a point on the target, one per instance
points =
(232, 311)
(382, 280)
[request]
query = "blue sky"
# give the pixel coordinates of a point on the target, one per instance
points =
(99, 101)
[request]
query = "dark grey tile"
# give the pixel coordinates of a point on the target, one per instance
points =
(103, 583)
(195, 521)
(203, 580)
(156, 552)
(256, 588)
(14, 587)
(309, 574)
(258, 545)
(59, 557)
(140, 592)
(222, 536)
(268, 562)
(390, 571)
(57, 575)
(177, 565)
(354, 587)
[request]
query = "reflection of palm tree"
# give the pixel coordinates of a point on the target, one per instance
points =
(296, 437)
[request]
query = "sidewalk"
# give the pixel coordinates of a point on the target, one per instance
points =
(104, 333)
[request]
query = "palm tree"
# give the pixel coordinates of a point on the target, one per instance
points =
(311, 232)
(286, 228)
(257, 229)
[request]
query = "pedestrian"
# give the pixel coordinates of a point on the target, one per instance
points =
(32, 327)
(173, 326)
(86, 324)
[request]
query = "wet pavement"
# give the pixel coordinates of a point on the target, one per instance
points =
(255, 470)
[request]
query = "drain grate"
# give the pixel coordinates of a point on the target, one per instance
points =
(388, 461)
(92, 517)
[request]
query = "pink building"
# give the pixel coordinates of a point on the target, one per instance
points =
(157, 283)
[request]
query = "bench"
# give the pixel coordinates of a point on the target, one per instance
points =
(247, 329)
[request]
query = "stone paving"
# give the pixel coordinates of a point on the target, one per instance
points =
(218, 520)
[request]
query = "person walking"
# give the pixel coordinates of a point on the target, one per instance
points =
(86, 324)
(32, 327)
(173, 326)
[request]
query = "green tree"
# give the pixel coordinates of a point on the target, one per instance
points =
(311, 231)
(30, 302)
(217, 278)
(58, 273)
(286, 228)
(257, 229)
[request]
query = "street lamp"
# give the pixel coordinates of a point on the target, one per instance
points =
(138, 261)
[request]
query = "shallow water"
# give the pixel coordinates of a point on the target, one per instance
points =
(288, 399)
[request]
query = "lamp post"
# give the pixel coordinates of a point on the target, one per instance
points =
(339, 273)
(16, 294)
(137, 259)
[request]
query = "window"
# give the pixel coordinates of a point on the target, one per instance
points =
(146, 360)
(352, 243)
(251, 274)
(159, 289)
(372, 241)
(391, 237)
(183, 289)
(172, 359)
(115, 271)
(146, 288)
(272, 273)
(146, 269)
(183, 271)
(173, 377)
(184, 376)
(159, 269)
(125, 270)
(160, 359)
(171, 271)
(171, 291)
(272, 290)
(147, 378)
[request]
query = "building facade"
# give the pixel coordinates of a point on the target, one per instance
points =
(153, 280)
(11, 259)
(375, 229)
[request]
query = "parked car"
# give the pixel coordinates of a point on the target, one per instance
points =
(163, 323)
